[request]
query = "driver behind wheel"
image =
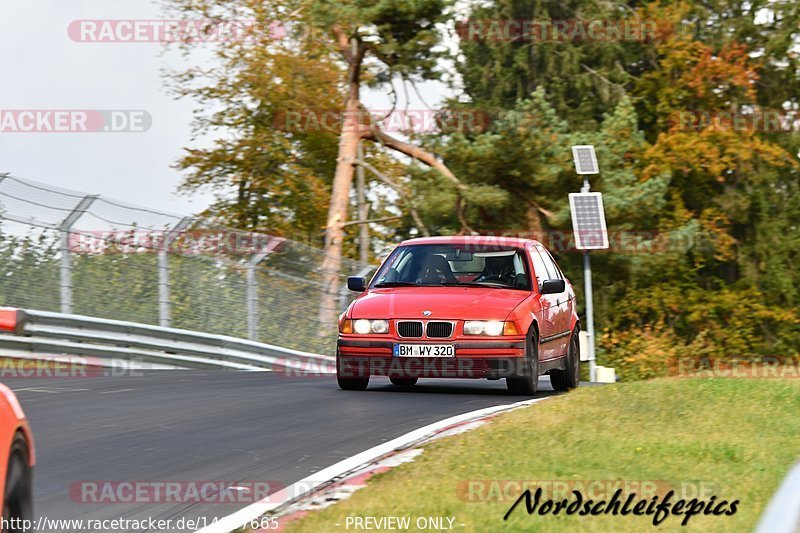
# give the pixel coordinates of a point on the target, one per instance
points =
(498, 269)
(435, 271)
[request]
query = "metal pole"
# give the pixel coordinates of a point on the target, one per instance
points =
(164, 318)
(363, 229)
(66, 274)
(587, 281)
(252, 296)
(66, 260)
(163, 288)
(252, 303)
(252, 287)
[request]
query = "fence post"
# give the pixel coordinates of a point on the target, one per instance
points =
(252, 286)
(163, 272)
(66, 260)
(252, 296)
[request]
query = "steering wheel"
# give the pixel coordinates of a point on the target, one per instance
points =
(439, 275)
(501, 278)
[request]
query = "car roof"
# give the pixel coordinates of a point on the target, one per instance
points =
(483, 240)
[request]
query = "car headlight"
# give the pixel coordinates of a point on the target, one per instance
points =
(492, 328)
(364, 327)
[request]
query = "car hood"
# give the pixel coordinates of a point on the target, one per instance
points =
(467, 303)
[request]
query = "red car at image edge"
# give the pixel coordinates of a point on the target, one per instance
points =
(17, 458)
(462, 307)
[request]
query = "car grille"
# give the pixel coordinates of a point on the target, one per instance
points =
(409, 329)
(439, 330)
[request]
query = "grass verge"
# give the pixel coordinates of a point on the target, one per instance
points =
(734, 439)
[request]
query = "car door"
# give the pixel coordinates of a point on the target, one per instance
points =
(549, 312)
(562, 306)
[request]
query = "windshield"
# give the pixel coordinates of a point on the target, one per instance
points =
(428, 265)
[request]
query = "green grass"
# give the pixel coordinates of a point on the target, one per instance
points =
(735, 438)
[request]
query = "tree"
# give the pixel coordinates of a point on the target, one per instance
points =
(266, 178)
(334, 47)
(717, 278)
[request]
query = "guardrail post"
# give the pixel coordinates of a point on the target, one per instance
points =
(163, 272)
(66, 259)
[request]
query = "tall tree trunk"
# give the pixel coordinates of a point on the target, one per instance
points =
(353, 130)
(351, 134)
(337, 216)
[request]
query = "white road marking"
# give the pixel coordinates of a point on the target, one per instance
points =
(308, 485)
(48, 390)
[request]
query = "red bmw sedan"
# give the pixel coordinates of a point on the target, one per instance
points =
(462, 307)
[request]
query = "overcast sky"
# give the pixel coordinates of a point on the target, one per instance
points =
(43, 69)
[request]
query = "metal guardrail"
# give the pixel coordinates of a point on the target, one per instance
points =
(46, 333)
(783, 512)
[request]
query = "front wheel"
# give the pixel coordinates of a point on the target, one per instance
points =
(528, 383)
(18, 497)
(564, 380)
(404, 382)
(347, 381)
(353, 383)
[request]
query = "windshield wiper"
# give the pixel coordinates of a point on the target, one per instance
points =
(484, 284)
(395, 284)
(472, 284)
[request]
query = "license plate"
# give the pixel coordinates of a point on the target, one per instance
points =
(424, 350)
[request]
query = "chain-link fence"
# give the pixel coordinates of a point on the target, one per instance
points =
(67, 251)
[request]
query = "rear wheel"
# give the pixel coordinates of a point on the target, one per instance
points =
(564, 380)
(528, 383)
(347, 381)
(18, 497)
(404, 382)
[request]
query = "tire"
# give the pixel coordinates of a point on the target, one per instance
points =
(349, 382)
(18, 497)
(528, 383)
(404, 382)
(567, 379)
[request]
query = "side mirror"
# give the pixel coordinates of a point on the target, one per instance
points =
(553, 286)
(354, 283)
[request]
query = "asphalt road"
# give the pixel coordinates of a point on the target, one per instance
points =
(221, 426)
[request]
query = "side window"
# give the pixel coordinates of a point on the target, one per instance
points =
(551, 265)
(538, 266)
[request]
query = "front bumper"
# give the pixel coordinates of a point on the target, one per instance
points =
(478, 358)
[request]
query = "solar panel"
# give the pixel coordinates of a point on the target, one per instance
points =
(585, 159)
(588, 220)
